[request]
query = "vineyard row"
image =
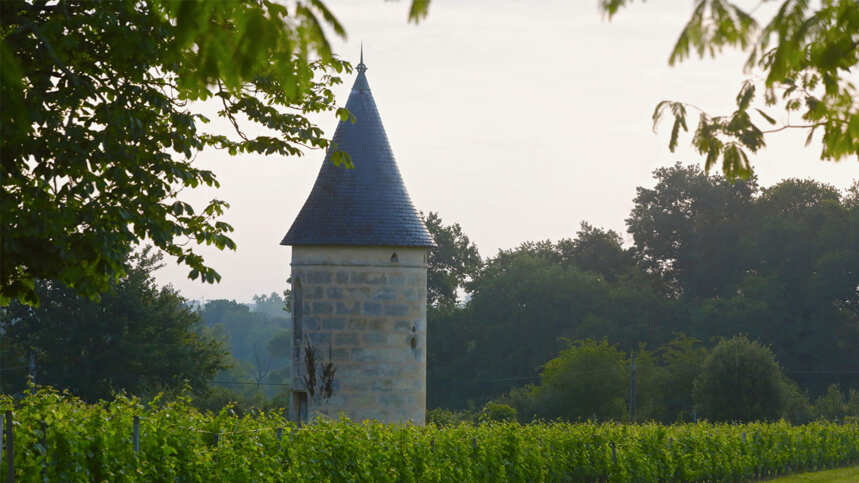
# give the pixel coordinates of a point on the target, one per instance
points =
(59, 438)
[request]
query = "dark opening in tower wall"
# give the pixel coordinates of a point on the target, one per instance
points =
(297, 310)
(299, 404)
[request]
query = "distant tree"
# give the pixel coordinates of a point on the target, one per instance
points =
(521, 307)
(802, 61)
(241, 399)
(99, 126)
(831, 406)
(139, 338)
(682, 361)
(280, 351)
(688, 228)
(13, 364)
(494, 411)
(795, 288)
(280, 345)
(260, 344)
(451, 263)
(798, 408)
(599, 251)
(272, 305)
(523, 301)
(444, 417)
(853, 404)
(663, 382)
(740, 381)
(587, 379)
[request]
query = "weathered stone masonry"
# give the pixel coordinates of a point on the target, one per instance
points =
(369, 314)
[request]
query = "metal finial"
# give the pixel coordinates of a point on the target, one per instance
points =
(361, 67)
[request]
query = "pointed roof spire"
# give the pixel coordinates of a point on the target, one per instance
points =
(361, 67)
(367, 205)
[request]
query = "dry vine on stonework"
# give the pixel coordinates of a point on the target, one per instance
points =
(324, 387)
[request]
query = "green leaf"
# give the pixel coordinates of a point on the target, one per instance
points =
(419, 10)
(745, 96)
(658, 111)
(810, 136)
(766, 116)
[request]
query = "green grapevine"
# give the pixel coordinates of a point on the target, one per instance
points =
(93, 442)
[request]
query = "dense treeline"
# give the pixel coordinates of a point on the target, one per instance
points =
(259, 339)
(711, 259)
(143, 339)
(136, 337)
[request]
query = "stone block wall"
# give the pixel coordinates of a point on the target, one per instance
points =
(366, 309)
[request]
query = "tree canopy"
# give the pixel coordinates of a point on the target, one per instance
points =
(803, 60)
(588, 378)
(740, 382)
(138, 338)
(710, 258)
(452, 262)
(100, 125)
(259, 340)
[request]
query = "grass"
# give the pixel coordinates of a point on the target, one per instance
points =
(840, 475)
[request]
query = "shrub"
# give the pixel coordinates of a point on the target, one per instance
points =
(446, 417)
(587, 379)
(740, 381)
(832, 406)
(494, 411)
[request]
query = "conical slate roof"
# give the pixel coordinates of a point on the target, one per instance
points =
(367, 205)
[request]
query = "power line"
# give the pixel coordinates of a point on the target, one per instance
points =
(2, 369)
(823, 372)
(251, 383)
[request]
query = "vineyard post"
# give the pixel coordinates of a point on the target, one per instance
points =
(279, 434)
(613, 453)
(31, 366)
(135, 434)
(632, 390)
(43, 439)
(10, 449)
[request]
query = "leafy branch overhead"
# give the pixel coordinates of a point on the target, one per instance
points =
(803, 62)
(101, 125)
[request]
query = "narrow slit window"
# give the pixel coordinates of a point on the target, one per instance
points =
(297, 310)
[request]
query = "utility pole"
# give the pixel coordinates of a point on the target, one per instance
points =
(632, 390)
(32, 366)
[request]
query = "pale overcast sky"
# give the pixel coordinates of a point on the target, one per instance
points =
(518, 120)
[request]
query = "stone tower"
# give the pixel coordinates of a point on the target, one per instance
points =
(359, 280)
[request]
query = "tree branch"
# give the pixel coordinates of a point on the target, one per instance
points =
(793, 126)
